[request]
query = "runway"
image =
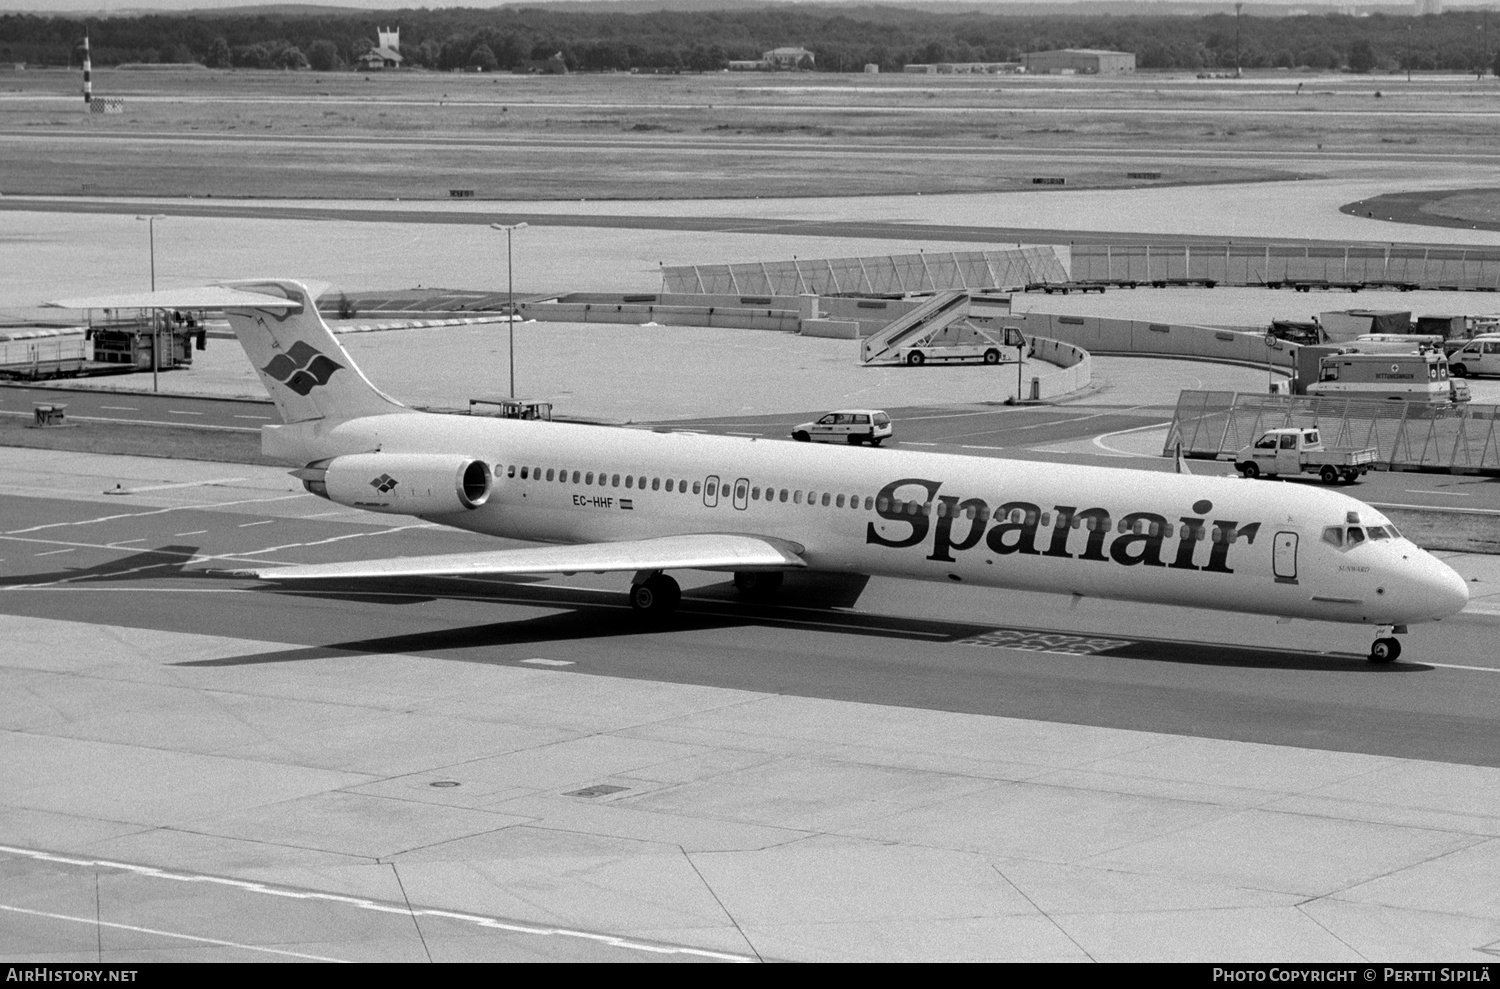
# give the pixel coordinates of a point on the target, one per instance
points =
(453, 769)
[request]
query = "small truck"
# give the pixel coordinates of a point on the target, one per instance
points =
(1300, 450)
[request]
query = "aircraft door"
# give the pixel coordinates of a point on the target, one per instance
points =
(711, 491)
(742, 493)
(1284, 558)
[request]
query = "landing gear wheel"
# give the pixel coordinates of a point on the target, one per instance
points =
(758, 585)
(656, 596)
(992, 357)
(916, 358)
(1329, 474)
(1250, 469)
(1385, 650)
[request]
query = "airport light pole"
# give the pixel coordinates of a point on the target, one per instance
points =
(1237, 8)
(510, 295)
(155, 322)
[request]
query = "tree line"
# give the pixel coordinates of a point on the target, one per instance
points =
(841, 39)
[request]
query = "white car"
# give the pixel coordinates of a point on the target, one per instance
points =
(852, 426)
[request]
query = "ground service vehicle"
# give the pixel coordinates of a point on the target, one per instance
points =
(1297, 451)
(1416, 376)
(962, 343)
(852, 426)
(1480, 355)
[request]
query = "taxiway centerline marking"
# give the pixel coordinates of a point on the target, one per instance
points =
(364, 904)
(156, 511)
(181, 484)
(94, 921)
(1099, 440)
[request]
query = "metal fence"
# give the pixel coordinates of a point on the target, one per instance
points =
(886, 275)
(1354, 265)
(1408, 435)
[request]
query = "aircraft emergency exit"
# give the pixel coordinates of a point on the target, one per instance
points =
(647, 502)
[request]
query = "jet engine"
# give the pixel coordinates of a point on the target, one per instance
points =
(401, 483)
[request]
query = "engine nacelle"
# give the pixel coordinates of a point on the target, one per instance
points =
(401, 483)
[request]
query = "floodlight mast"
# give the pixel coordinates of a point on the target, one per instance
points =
(510, 295)
(155, 322)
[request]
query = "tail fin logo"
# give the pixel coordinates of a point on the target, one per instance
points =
(302, 368)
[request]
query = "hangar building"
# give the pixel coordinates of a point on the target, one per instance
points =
(1083, 61)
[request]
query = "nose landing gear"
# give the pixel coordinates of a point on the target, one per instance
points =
(1387, 648)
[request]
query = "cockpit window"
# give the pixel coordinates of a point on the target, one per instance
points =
(1356, 535)
(1377, 532)
(1334, 536)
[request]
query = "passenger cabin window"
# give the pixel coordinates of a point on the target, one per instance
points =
(510, 471)
(697, 487)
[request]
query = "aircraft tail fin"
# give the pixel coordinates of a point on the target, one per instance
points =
(307, 372)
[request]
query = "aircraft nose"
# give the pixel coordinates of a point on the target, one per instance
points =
(1442, 591)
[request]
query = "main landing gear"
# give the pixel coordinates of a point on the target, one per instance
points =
(654, 595)
(1387, 648)
(758, 585)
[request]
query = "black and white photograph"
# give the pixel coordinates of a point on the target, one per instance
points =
(735, 481)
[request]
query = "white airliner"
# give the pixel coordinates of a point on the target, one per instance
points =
(644, 502)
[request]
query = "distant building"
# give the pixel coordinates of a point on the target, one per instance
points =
(555, 65)
(386, 54)
(788, 58)
(1428, 7)
(961, 68)
(1082, 61)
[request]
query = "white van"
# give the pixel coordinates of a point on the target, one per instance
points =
(1480, 355)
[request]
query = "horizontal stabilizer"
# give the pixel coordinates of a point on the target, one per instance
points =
(699, 551)
(201, 297)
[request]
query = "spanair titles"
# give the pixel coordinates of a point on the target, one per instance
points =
(951, 524)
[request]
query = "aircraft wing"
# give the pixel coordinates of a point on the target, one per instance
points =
(700, 551)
